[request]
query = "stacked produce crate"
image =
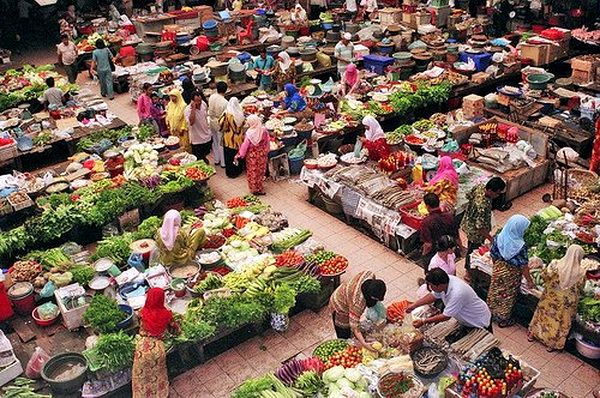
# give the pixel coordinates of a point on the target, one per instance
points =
(472, 106)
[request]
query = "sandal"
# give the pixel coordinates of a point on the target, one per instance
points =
(530, 338)
(506, 323)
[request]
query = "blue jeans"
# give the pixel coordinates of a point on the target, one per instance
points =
(106, 83)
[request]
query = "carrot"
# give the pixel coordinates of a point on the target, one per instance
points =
(396, 310)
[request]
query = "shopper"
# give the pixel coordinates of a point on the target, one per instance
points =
(144, 104)
(563, 280)
(177, 243)
(374, 139)
(53, 96)
(67, 57)
(285, 71)
(299, 16)
(445, 182)
(188, 89)
(149, 376)
(509, 253)
(350, 300)
(477, 219)
(264, 65)
(344, 51)
(230, 125)
(101, 66)
(196, 114)
(438, 223)
(176, 119)
(460, 301)
(293, 101)
(255, 150)
(350, 81)
(216, 106)
(157, 110)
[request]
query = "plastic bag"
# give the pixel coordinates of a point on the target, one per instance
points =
(47, 311)
(71, 248)
(136, 260)
(376, 313)
(37, 360)
(48, 290)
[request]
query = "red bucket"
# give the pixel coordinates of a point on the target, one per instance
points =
(22, 296)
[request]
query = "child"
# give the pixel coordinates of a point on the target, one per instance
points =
(444, 259)
(158, 114)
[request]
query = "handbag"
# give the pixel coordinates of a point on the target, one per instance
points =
(110, 61)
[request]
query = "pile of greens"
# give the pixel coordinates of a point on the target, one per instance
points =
(589, 308)
(103, 314)
(404, 102)
(87, 143)
(112, 352)
(534, 234)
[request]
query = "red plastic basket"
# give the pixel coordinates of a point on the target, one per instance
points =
(410, 219)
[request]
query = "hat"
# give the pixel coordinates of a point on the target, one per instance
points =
(348, 36)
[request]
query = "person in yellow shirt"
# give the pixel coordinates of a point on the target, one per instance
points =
(230, 125)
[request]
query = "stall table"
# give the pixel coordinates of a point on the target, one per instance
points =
(152, 24)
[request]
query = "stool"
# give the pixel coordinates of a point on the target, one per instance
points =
(279, 168)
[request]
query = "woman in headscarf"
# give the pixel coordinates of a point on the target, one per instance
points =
(445, 182)
(350, 80)
(176, 119)
(293, 101)
(255, 149)
(511, 263)
(285, 70)
(177, 243)
(563, 280)
(230, 124)
(374, 139)
(149, 374)
(299, 16)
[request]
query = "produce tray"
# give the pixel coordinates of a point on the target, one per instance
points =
(409, 219)
(20, 200)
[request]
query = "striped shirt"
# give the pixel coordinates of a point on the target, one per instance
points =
(348, 302)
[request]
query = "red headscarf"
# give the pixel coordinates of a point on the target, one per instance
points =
(155, 316)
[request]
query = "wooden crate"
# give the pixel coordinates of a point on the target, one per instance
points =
(538, 53)
(390, 16)
(581, 76)
(8, 152)
(583, 65)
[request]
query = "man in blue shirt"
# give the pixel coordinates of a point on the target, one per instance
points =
(264, 65)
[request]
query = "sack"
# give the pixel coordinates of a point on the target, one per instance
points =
(37, 360)
(110, 61)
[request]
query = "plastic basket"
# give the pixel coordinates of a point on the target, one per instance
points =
(410, 219)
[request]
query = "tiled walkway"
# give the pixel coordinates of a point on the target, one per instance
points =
(262, 354)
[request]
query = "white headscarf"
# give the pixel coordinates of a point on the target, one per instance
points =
(569, 267)
(286, 61)
(255, 129)
(170, 228)
(373, 132)
(235, 110)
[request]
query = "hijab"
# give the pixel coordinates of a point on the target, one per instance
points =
(155, 316)
(285, 64)
(351, 75)
(293, 96)
(235, 110)
(300, 13)
(170, 228)
(255, 129)
(445, 171)
(569, 267)
(510, 239)
(373, 132)
(175, 111)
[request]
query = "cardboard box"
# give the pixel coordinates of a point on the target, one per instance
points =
(584, 65)
(422, 18)
(407, 18)
(581, 76)
(558, 49)
(538, 53)
(473, 101)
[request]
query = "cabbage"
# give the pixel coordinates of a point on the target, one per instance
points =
(343, 382)
(334, 374)
(353, 375)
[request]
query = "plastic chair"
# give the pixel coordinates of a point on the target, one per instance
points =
(246, 34)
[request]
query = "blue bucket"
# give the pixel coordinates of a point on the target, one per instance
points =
(210, 24)
(296, 165)
(244, 57)
(327, 25)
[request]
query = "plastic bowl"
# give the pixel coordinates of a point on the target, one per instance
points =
(587, 348)
(42, 322)
(127, 321)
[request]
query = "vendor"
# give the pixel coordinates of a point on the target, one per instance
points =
(445, 182)
(351, 299)
(374, 139)
(113, 13)
(177, 244)
(460, 302)
(369, 8)
(511, 264)
(437, 224)
(53, 96)
(299, 16)
(344, 52)
(264, 65)
(350, 81)
(285, 71)
(293, 101)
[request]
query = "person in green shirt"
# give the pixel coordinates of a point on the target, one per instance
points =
(264, 65)
(477, 220)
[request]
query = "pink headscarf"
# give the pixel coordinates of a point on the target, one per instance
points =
(445, 172)
(170, 228)
(255, 129)
(351, 75)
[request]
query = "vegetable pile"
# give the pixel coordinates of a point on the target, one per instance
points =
(103, 314)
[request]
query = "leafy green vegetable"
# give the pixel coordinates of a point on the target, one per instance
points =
(115, 247)
(589, 308)
(147, 228)
(113, 351)
(233, 311)
(284, 298)
(535, 232)
(103, 314)
(82, 274)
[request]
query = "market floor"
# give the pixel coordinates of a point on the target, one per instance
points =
(259, 355)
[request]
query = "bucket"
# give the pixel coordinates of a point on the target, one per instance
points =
(60, 364)
(237, 76)
(296, 165)
(178, 287)
(308, 54)
(327, 25)
(287, 42)
(22, 297)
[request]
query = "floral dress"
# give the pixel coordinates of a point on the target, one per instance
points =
(555, 312)
(283, 78)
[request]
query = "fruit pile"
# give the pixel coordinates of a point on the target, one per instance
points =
(196, 174)
(334, 266)
(236, 202)
(349, 357)
(290, 258)
(396, 161)
(321, 257)
(328, 348)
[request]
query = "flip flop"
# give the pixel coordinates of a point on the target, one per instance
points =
(507, 323)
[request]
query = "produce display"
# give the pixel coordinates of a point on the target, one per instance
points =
(399, 385)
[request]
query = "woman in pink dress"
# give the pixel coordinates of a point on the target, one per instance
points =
(255, 149)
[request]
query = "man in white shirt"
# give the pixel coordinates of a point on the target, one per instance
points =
(53, 96)
(217, 103)
(344, 53)
(67, 57)
(460, 300)
(196, 114)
